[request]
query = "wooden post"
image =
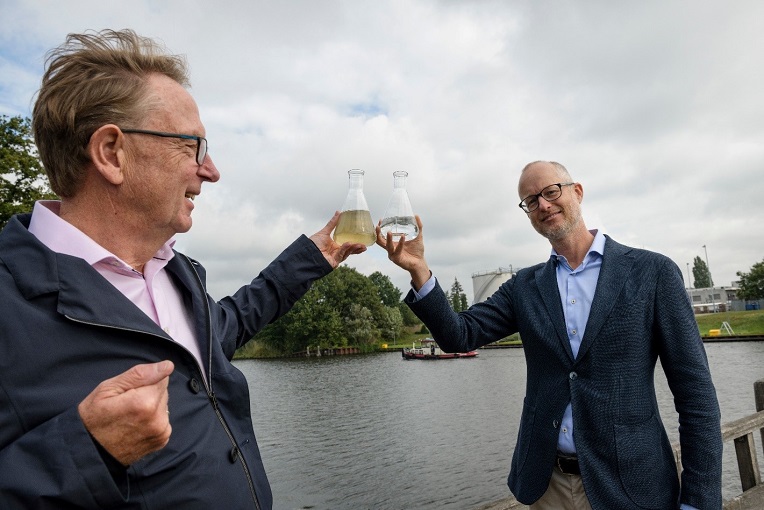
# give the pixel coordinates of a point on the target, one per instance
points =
(758, 393)
(745, 449)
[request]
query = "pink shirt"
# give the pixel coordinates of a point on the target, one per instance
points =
(153, 291)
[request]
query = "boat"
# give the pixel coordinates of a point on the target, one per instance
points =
(429, 349)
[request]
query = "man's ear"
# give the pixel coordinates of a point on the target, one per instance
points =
(107, 153)
(579, 190)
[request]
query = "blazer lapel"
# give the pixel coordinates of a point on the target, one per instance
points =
(616, 265)
(546, 282)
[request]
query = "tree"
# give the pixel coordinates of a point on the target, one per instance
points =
(392, 322)
(388, 293)
(456, 297)
(752, 282)
(22, 178)
(701, 274)
(409, 317)
(341, 308)
(359, 326)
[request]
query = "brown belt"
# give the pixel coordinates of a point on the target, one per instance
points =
(568, 464)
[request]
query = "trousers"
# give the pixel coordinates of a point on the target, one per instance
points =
(565, 492)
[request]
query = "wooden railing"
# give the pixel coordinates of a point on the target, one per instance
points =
(742, 432)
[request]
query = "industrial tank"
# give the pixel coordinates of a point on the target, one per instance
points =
(485, 283)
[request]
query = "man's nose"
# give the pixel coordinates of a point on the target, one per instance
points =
(208, 171)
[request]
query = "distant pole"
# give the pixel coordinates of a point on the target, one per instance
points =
(713, 300)
(689, 282)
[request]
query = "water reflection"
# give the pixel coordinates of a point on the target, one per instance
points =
(377, 432)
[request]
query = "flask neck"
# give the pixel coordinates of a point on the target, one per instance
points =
(399, 180)
(355, 199)
(356, 181)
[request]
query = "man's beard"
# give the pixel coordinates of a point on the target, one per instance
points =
(563, 230)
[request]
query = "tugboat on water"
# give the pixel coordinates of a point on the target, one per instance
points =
(429, 349)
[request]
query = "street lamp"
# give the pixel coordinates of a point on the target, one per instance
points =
(689, 282)
(713, 300)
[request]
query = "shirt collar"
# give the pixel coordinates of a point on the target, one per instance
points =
(62, 237)
(597, 249)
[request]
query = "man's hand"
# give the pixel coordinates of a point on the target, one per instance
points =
(333, 252)
(128, 414)
(408, 255)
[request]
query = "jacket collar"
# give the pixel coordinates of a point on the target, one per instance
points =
(616, 265)
(83, 294)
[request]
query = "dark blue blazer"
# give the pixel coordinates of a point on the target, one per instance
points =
(640, 313)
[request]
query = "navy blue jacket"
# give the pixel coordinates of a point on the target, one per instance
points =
(640, 313)
(64, 329)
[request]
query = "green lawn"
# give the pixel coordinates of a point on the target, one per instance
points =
(742, 323)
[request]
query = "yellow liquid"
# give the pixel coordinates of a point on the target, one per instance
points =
(355, 227)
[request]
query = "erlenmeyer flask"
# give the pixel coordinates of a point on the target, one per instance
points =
(399, 217)
(355, 225)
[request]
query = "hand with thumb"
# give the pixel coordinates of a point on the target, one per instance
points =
(128, 414)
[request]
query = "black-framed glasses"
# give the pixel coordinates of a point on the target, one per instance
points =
(201, 142)
(550, 194)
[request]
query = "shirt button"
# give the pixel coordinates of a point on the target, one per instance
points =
(572, 301)
(573, 376)
(573, 331)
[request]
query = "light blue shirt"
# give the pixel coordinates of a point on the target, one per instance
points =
(576, 288)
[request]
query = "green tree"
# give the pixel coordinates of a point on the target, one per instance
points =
(392, 322)
(408, 316)
(752, 282)
(388, 293)
(701, 275)
(359, 326)
(456, 297)
(22, 178)
(340, 309)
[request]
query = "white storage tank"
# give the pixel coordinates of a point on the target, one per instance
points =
(485, 283)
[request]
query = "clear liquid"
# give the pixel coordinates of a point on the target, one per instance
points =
(355, 227)
(400, 225)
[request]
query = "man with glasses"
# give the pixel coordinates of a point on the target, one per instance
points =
(116, 386)
(593, 320)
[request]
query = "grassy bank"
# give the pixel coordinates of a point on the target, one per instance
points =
(742, 323)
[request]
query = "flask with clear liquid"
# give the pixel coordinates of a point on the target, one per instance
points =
(355, 225)
(399, 217)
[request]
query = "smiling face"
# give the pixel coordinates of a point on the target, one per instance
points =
(560, 218)
(163, 175)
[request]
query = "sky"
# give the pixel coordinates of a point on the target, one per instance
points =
(655, 107)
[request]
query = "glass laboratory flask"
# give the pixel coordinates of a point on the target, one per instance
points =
(399, 217)
(355, 225)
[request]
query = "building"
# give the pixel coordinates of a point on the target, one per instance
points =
(713, 299)
(485, 283)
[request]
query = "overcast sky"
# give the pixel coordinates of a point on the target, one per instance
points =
(655, 107)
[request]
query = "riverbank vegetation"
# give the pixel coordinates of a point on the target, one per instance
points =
(349, 309)
(345, 308)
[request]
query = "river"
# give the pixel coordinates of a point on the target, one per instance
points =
(378, 432)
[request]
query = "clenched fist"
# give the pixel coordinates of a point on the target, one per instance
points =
(128, 414)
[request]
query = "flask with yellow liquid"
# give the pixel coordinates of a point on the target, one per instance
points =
(355, 225)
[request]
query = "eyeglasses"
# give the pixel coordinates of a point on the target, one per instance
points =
(201, 142)
(550, 194)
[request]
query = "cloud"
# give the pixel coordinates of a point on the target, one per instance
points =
(653, 106)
